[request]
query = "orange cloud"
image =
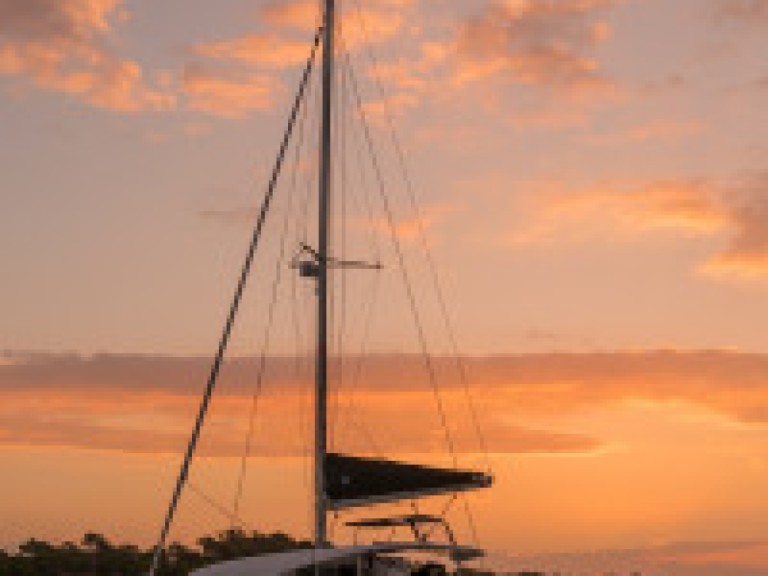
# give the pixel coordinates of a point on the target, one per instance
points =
(61, 46)
(408, 229)
(689, 206)
(263, 50)
(157, 423)
(408, 80)
(738, 213)
(371, 24)
(298, 14)
(277, 50)
(226, 95)
(146, 403)
(378, 20)
(536, 42)
(652, 131)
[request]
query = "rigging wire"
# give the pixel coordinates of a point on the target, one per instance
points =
(234, 307)
(430, 261)
(341, 307)
(368, 307)
(264, 351)
(233, 517)
(421, 232)
(302, 231)
(390, 218)
(298, 167)
(347, 377)
(340, 296)
(358, 368)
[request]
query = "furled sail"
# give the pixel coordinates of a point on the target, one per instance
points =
(354, 481)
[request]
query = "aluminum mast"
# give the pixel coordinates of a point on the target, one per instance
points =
(324, 225)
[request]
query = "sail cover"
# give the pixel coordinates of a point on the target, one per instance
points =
(353, 481)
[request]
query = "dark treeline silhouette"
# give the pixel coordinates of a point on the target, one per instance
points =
(95, 555)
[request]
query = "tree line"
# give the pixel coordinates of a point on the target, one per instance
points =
(95, 555)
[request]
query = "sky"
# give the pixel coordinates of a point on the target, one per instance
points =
(592, 195)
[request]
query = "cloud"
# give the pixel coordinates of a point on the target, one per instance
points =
(227, 440)
(747, 252)
(62, 45)
(279, 49)
(655, 131)
(686, 205)
(262, 50)
(408, 80)
(409, 228)
(752, 12)
(537, 42)
(297, 14)
(378, 20)
(226, 94)
(409, 73)
(146, 403)
(372, 23)
(737, 212)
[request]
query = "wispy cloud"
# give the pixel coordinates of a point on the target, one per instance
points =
(737, 212)
(62, 45)
(146, 403)
(747, 252)
(656, 131)
(260, 50)
(297, 14)
(750, 12)
(536, 42)
(226, 94)
(233, 77)
(282, 48)
(119, 402)
(409, 228)
(547, 48)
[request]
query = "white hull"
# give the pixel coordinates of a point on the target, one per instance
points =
(374, 560)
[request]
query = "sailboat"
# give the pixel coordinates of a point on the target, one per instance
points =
(341, 481)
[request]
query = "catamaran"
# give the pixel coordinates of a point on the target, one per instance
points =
(341, 481)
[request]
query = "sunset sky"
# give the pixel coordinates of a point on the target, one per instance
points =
(593, 185)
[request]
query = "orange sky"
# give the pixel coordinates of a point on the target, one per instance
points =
(593, 186)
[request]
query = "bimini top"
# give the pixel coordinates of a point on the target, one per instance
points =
(289, 562)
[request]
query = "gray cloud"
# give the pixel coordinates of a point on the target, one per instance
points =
(538, 42)
(751, 12)
(747, 208)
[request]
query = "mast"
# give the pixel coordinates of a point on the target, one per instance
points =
(324, 225)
